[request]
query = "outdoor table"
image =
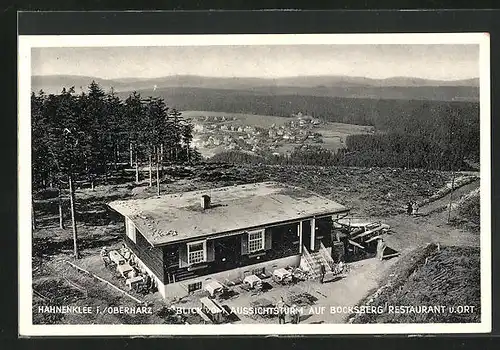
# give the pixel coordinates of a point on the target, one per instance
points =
(282, 275)
(124, 269)
(253, 281)
(131, 282)
(116, 257)
(214, 287)
(211, 309)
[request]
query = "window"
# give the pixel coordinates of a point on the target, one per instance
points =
(196, 252)
(255, 241)
(259, 271)
(130, 229)
(194, 287)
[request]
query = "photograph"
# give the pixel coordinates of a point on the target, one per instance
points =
(254, 184)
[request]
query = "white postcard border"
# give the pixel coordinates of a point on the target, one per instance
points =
(25, 43)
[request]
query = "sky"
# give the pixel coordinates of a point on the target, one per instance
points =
(440, 62)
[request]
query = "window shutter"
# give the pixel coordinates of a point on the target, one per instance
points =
(134, 234)
(210, 251)
(183, 258)
(244, 243)
(268, 240)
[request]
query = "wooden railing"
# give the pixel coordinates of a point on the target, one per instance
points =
(327, 256)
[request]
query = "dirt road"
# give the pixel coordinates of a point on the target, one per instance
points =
(409, 233)
(431, 225)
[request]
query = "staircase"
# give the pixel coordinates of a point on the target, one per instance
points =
(312, 262)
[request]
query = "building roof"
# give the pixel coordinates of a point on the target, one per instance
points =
(174, 217)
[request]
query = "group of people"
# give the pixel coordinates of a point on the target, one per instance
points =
(147, 285)
(294, 312)
(124, 251)
(412, 208)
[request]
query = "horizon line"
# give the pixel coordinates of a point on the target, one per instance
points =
(256, 77)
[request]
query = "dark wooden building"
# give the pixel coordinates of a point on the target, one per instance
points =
(187, 239)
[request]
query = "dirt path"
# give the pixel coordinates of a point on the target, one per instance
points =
(409, 233)
(431, 225)
(443, 202)
(365, 275)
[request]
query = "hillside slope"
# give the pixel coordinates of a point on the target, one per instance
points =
(445, 277)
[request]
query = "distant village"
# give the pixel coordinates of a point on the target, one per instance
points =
(231, 134)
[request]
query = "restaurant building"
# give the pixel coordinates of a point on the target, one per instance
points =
(187, 240)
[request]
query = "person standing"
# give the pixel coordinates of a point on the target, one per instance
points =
(295, 314)
(105, 256)
(280, 305)
(415, 208)
(322, 271)
(409, 208)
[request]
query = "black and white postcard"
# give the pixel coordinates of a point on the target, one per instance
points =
(254, 184)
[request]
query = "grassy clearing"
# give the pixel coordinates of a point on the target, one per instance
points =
(369, 192)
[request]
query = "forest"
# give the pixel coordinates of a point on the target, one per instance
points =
(377, 111)
(87, 137)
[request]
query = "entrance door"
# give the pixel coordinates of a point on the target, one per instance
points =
(306, 234)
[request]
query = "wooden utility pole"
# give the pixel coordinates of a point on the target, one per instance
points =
(131, 154)
(73, 219)
(451, 195)
(33, 218)
(157, 172)
(161, 158)
(150, 168)
(61, 214)
(453, 157)
(136, 168)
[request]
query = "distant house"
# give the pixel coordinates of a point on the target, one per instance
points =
(249, 129)
(185, 240)
(240, 129)
(217, 141)
(224, 128)
(272, 133)
(198, 127)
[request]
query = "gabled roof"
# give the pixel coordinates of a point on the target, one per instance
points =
(174, 217)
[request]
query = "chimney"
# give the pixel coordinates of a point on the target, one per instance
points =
(205, 201)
